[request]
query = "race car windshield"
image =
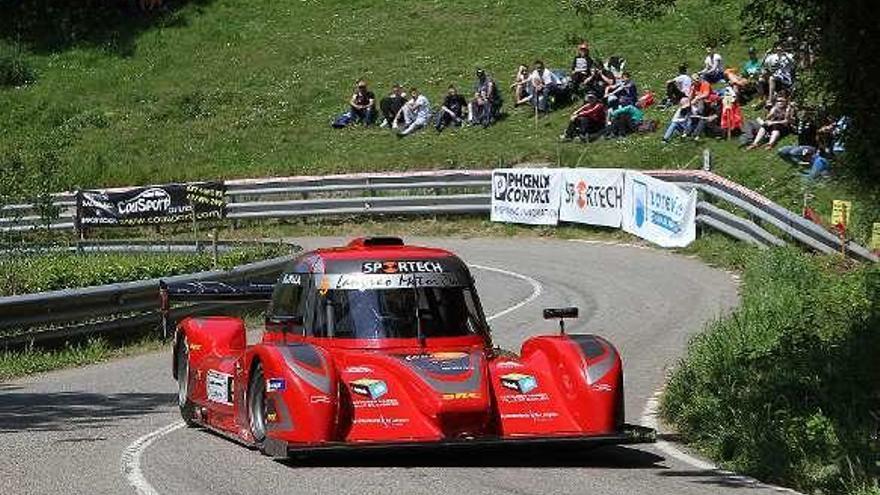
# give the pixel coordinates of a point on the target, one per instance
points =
(392, 313)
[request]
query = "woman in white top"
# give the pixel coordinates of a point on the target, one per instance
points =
(713, 66)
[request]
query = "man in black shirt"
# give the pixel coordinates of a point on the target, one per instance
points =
(452, 109)
(391, 105)
(363, 104)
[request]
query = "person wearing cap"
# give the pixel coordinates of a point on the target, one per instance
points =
(363, 104)
(680, 120)
(581, 66)
(587, 121)
(486, 103)
(416, 113)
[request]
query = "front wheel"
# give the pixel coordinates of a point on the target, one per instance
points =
(187, 408)
(257, 405)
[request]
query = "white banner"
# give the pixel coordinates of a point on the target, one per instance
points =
(593, 196)
(526, 195)
(658, 211)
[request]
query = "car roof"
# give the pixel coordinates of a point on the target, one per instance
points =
(350, 257)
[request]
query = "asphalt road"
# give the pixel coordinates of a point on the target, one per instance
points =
(67, 431)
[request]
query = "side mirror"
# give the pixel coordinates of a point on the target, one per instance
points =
(284, 323)
(562, 314)
(554, 313)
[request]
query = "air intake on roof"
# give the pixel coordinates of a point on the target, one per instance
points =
(378, 241)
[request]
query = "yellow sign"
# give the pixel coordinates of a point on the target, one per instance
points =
(840, 212)
(875, 237)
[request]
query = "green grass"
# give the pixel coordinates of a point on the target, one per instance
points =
(22, 362)
(785, 388)
(224, 89)
(35, 273)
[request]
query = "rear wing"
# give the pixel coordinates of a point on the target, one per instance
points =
(208, 292)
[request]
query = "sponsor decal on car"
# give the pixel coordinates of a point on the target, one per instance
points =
(387, 422)
(219, 387)
(462, 396)
(537, 416)
(369, 387)
(291, 279)
(394, 267)
(509, 364)
(358, 369)
(275, 385)
(602, 387)
(374, 404)
(519, 382)
(271, 417)
(319, 399)
(520, 398)
(195, 347)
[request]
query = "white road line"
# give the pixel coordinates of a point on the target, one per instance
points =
(131, 456)
(649, 419)
(537, 289)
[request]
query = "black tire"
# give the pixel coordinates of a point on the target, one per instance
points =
(257, 405)
(187, 408)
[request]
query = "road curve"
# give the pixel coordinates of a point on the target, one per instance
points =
(74, 431)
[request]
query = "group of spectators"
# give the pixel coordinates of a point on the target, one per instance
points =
(710, 101)
(406, 113)
(706, 103)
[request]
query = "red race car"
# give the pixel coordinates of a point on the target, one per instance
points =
(381, 345)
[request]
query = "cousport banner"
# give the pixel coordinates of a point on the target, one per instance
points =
(593, 196)
(526, 195)
(658, 211)
(152, 205)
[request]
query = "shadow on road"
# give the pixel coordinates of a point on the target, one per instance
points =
(69, 410)
(613, 457)
(716, 478)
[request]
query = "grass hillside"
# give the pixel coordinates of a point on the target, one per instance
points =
(223, 89)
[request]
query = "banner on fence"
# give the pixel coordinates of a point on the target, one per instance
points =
(593, 196)
(658, 211)
(526, 195)
(152, 205)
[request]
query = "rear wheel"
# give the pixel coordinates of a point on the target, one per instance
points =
(257, 405)
(187, 408)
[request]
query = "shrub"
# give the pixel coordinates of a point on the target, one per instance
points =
(786, 387)
(14, 69)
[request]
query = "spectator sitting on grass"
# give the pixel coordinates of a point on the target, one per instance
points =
(363, 104)
(391, 105)
(416, 113)
(752, 67)
(587, 122)
(452, 110)
(486, 105)
(544, 84)
(680, 120)
(778, 73)
(704, 117)
(624, 120)
(581, 66)
(678, 87)
(623, 91)
(776, 126)
(520, 86)
(806, 155)
(713, 66)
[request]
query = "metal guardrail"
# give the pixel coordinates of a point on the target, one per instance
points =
(466, 192)
(127, 305)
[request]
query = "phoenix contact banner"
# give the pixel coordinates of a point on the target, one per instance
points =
(658, 211)
(152, 205)
(593, 196)
(526, 195)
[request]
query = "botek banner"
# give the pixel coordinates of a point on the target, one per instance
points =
(152, 205)
(526, 195)
(658, 211)
(592, 196)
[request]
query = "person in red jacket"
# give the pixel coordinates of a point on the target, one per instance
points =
(587, 121)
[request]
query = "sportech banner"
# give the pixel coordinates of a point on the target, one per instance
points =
(151, 205)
